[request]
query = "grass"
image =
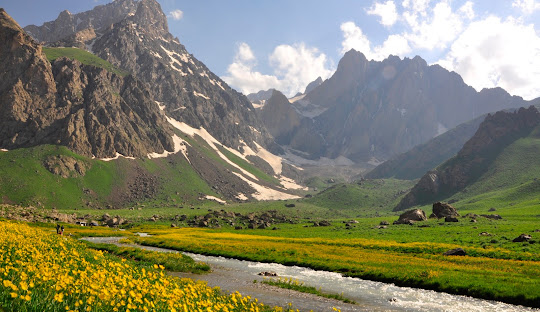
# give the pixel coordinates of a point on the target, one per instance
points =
(176, 262)
(293, 284)
(82, 56)
(490, 273)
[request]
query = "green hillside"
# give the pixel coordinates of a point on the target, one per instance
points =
(82, 56)
(512, 178)
(422, 158)
(362, 196)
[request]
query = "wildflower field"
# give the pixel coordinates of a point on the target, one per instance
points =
(42, 271)
(484, 273)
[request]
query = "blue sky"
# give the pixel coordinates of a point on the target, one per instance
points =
(285, 44)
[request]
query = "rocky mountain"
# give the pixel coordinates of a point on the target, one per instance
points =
(414, 163)
(67, 24)
(261, 96)
(135, 93)
(312, 85)
(494, 134)
(279, 117)
(86, 108)
(370, 110)
(137, 40)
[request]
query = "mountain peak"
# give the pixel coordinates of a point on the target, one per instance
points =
(150, 15)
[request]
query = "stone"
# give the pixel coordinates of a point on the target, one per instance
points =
(411, 216)
(451, 219)
(384, 222)
(442, 210)
(267, 273)
(455, 252)
(492, 216)
(522, 238)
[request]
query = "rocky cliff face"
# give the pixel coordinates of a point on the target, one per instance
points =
(370, 109)
(67, 24)
(495, 133)
(279, 117)
(90, 110)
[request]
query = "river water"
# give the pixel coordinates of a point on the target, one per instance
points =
(238, 275)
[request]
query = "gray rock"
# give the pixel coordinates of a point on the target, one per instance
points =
(411, 216)
(442, 210)
(522, 238)
(455, 252)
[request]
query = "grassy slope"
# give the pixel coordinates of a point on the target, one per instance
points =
(24, 180)
(422, 158)
(82, 56)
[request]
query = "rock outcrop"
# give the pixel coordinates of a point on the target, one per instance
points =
(495, 133)
(279, 117)
(86, 108)
(443, 210)
(411, 216)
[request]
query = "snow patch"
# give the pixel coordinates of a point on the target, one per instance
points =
(219, 200)
(3, 150)
(323, 161)
(156, 54)
(255, 105)
(161, 107)
(296, 98)
(241, 196)
(118, 155)
(201, 95)
(441, 128)
(374, 162)
(175, 64)
(179, 146)
(210, 140)
(291, 184)
(265, 193)
(254, 130)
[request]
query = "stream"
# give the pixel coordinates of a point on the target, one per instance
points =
(238, 275)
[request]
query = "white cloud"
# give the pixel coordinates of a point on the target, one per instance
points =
(294, 67)
(354, 38)
(496, 53)
(176, 14)
(386, 11)
(526, 6)
(416, 6)
(299, 65)
(436, 31)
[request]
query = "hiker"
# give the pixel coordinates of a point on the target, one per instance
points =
(62, 230)
(57, 228)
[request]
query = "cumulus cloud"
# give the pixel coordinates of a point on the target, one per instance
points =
(498, 53)
(176, 14)
(354, 38)
(436, 30)
(416, 6)
(526, 6)
(387, 12)
(294, 66)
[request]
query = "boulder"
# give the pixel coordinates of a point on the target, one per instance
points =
(324, 223)
(522, 238)
(492, 209)
(492, 216)
(442, 210)
(455, 252)
(173, 225)
(411, 216)
(94, 223)
(451, 219)
(266, 273)
(384, 222)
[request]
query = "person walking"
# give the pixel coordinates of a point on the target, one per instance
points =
(57, 228)
(62, 230)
